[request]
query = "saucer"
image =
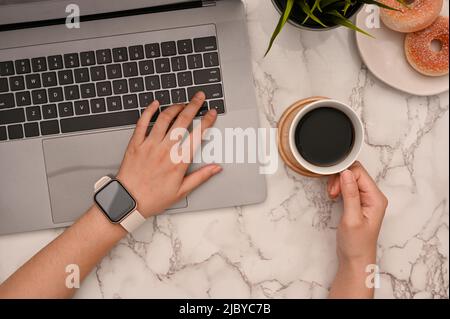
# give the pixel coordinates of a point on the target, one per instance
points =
(284, 125)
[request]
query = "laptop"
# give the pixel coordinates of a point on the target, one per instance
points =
(70, 97)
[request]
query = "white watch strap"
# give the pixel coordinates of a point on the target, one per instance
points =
(133, 220)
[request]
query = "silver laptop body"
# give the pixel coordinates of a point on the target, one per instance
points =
(47, 170)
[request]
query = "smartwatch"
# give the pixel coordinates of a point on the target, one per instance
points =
(117, 204)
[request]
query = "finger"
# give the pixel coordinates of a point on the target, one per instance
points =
(197, 178)
(365, 182)
(165, 118)
(188, 114)
(350, 196)
(143, 123)
(196, 136)
(333, 186)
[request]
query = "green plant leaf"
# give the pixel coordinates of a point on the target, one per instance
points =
(381, 5)
(347, 5)
(338, 18)
(283, 19)
(314, 7)
(305, 7)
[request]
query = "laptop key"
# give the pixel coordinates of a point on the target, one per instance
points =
(203, 110)
(152, 50)
(103, 56)
(211, 59)
(98, 105)
(87, 90)
(213, 91)
(184, 46)
(49, 127)
(146, 67)
(15, 131)
(178, 63)
(162, 65)
(130, 101)
(136, 85)
(65, 77)
(7, 101)
(178, 96)
(3, 136)
(184, 78)
(49, 79)
(23, 98)
(163, 97)
(12, 116)
(33, 81)
(130, 69)
(65, 109)
(23, 66)
(207, 76)
(120, 86)
(33, 113)
(168, 81)
(81, 75)
(168, 48)
(218, 105)
(71, 92)
(31, 129)
(4, 87)
(81, 107)
(136, 52)
(205, 44)
(99, 121)
(71, 60)
(145, 99)
(17, 83)
(104, 89)
(120, 54)
(87, 58)
(39, 64)
(114, 71)
(6, 68)
(98, 73)
(114, 103)
(49, 111)
(55, 62)
(55, 94)
(152, 83)
(39, 96)
(195, 61)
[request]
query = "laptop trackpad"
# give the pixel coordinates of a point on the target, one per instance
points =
(75, 163)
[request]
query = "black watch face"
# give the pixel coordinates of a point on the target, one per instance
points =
(115, 201)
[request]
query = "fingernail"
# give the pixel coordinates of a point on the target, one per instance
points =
(213, 112)
(216, 169)
(347, 176)
(200, 95)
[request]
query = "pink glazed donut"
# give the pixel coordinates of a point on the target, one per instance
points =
(415, 16)
(419, 50)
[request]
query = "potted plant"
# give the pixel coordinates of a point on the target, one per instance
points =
(320, 14)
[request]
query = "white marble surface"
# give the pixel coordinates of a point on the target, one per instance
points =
(285, 247)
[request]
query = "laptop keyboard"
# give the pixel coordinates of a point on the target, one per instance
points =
(105, 88)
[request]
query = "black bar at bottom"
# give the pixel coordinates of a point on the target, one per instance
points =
(84, 123)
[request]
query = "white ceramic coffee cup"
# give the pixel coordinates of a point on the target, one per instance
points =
(357, 143)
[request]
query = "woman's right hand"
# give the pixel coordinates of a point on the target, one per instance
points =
(364, 209)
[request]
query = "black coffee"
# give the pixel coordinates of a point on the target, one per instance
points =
(324, 136)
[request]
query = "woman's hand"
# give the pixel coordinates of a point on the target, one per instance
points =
(357, 235)
(149, 173)
(364, 208)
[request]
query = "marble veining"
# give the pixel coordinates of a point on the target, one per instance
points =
(285, 247)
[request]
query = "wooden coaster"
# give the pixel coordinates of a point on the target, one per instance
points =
(284, 125)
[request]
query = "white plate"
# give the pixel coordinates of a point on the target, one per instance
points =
(384, 56)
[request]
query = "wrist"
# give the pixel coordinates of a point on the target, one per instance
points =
(357, 263)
